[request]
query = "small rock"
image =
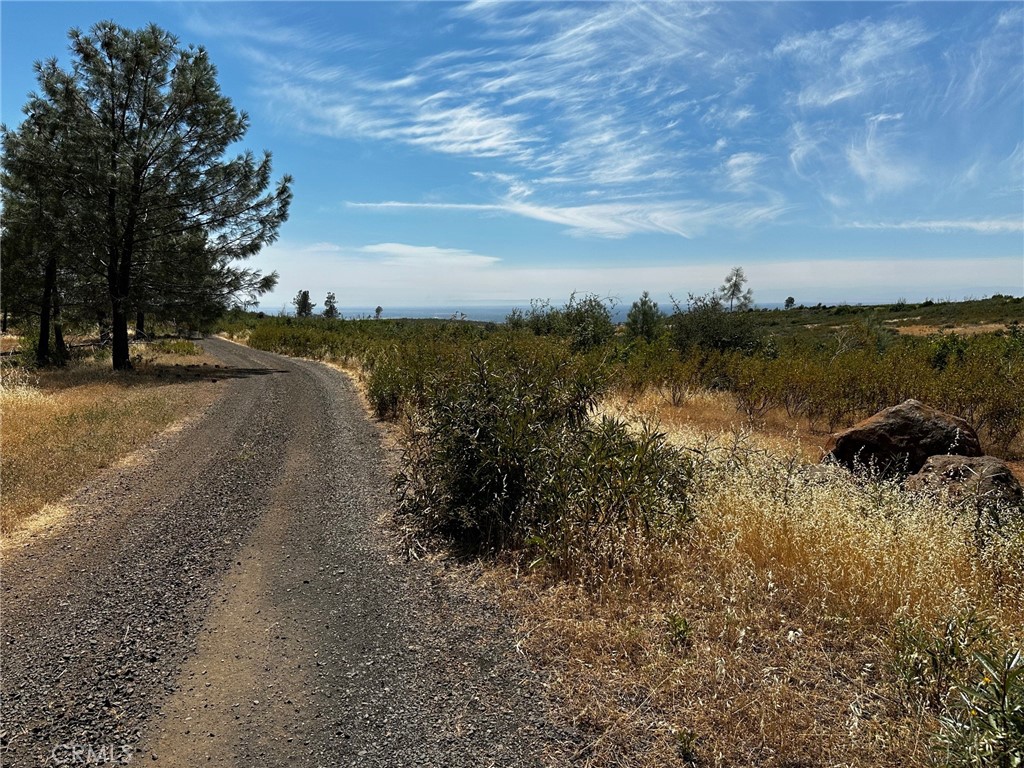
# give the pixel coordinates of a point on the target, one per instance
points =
(983, 482)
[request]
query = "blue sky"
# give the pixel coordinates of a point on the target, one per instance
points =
(453, 154)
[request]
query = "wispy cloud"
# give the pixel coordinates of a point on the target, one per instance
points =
(986, 67)
(853, 58)
(981, 226)
(426, 256)
(588, 94)
(876, 159)
(742, 170)
(265, 32)
(614, 220)
(617, 119)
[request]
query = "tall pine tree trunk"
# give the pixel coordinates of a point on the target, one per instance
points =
(119, 327)
(119, 316)
(61, 348)
(49, 280)
(140, 325)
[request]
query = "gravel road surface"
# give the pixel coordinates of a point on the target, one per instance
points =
(234, 597)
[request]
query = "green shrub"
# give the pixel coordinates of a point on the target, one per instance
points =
(645, 320)
(608, 501)
(506, 455)
(985, 725)
(588, 322)
(485, 436)
(387, 386)
(931, 660)
(705, 324)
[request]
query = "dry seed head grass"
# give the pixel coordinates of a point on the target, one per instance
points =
(791, 583)
(715, 413)
(863, 551)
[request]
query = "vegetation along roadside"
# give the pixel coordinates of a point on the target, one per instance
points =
(704, 596)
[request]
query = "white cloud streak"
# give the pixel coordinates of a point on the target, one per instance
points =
(852, 59)
(980, 226)
(614, 220)
(425, 257)
(878, 162)
(590, 94)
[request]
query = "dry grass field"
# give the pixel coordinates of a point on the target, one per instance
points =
(59, 427)
(970, 329)
(795, 624)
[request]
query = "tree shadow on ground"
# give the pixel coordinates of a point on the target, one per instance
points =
(172, 372)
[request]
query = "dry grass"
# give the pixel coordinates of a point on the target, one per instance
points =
(704, 412)
(61, 426)
(9, 342)
(971, 329)
(766, 635)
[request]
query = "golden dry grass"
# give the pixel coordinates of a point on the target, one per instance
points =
(971, 329)
(767, 635)
(9, 342)
(61, 426)
(704, 412)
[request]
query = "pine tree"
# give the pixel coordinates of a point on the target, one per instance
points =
(331, 306)
(159, 213)
(303, 306)
(732, 290)
(644, 320)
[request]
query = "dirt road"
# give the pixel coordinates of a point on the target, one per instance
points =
(233, 598)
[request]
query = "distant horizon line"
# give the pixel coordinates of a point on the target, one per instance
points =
(489, 310)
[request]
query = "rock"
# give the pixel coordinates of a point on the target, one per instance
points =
(982, 480)
(898, 440)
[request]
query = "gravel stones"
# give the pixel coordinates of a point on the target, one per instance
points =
(245, 560)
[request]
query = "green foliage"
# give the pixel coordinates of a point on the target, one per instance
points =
(644, 321)
(611, 498)
(706, 325)
(588, 322)
(303, 306)
(985, 725)
(831, 380)
(680, 632)
(733, 293)
(330, 306)
(506, 455)
(931, 660)
(387, 384)
(124, 155)
(955, 670)
(473, 472)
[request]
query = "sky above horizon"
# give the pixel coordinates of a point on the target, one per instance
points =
(454, 154)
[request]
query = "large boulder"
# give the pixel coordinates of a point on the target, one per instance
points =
(898, 440)
(981, 481)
